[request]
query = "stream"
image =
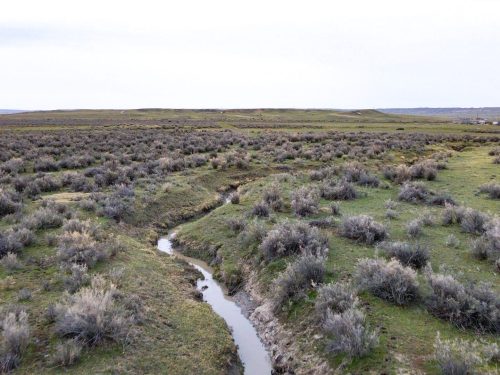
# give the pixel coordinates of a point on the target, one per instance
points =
(251, 350)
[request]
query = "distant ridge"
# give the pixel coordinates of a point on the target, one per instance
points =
(490, 113)
(9, 111)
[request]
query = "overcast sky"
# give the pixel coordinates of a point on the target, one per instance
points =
(235, 54)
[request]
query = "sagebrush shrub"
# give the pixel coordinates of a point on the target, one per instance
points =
(351, 335)
(260, 209)
(415, 255)
(413, 192)
(441, 199)
(492, 189)
(342, 191)
(10, 262)
(67, 353)
(79, 248)
(363, 228)
(272, 197)
(234, 198)
(44, 218)
(391, 214)
(461, 357)
(236, 225)
(388, 280)
(288, 238)
(414, 228)
(305, 201)
(336, 297)
(92, 315)
(253, 234)
(7, 205)
(296, 279)
(474, 306)
(452, 241)
(15, 339)
(46, 164)
(488, 245)
(76, 278)
(473, 221)
(335, 209)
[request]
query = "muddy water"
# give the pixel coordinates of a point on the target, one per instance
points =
(252, 352)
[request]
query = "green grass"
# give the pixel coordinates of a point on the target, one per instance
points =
(406, 333)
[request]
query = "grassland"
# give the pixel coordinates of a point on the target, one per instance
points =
(249, 150)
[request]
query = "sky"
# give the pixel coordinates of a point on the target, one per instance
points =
(248, 54)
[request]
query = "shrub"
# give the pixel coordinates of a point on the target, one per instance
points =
(79, 248)
(427, 219)
(272, 197)
(426, 169)
(452, 241)
(390, 204)
(414, 228)
(391, 214)
(77, 278)
(236, 225)
(253, 233)
(22, 235)
(351, 335)
(10, 262)
(7, 205)
(293, 238)
(327, 222)
(260, 209)
(368, 180)
(475, 306)
(411, 255)
(305, 201)
(388, 280)
(9, 244)
(234, 198)
(413, 192)
(452, 214)
(92, 315)
(335, 209)
(335, 297)
(492, 189)
(24, 295)
(488, 245)
(343, 191)
(473, 221)
(15, 339)
(460, 357)
(296, 279)
(363, 228)
(87, 205)
(46, 164)
(85, 226)
(442, 200)
(44, 218)
(67, 353)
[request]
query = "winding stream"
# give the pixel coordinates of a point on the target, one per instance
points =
(251, 351)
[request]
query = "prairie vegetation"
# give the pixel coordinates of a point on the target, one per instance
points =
(365, 240)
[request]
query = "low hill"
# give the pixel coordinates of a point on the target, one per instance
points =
(490, 113)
